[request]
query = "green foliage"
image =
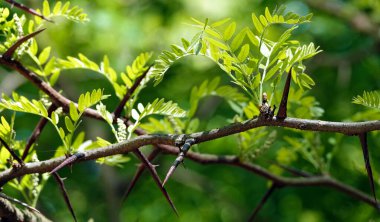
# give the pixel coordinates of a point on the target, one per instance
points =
(37, 107)
(212, 88)
(74, 13)
(158, 106)
(138, 67)
(369, 99)
(247, 56)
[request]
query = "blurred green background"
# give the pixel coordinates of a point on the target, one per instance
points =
(347, 31)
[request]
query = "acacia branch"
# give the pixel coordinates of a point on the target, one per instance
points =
(348, 128)
(165, 143)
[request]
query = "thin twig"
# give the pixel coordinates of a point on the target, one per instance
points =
(262, 202)
(128, 95)
(37, 132)
(64, 193)
(13, 154)
(27, 9)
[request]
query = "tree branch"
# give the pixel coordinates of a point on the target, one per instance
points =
(130, 145)
(9, 212)
(27, 9)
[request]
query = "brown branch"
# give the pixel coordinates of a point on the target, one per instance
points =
(2, 195)
(313, 181)
(118, 148)
(8, 212)
(262, 201)
(128, 146)
(27, 9)
(36, 132)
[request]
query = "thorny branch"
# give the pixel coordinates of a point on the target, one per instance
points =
(166, 142)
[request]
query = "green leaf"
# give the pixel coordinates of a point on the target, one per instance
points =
(244, 52)
(217, 43)
(44, 55)
(54, 118)
(69, 125)
(238, 40)
(73, 112)
(219, 23)
(369, 99)
(81, 103)
(229, 32)
(45, 8)
(256, 23)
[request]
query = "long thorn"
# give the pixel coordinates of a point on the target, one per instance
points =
(64, 193)
(156, 178)
(174, 166)
(262, 202)
(27, 9)
(8, 54)
(282, 110)
(13, 154)
(138, 174)
(363, 142)
(183, 150)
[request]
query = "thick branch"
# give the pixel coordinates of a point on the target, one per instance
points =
(119, 148)
(130, 145)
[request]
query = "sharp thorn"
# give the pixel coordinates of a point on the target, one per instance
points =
(363, 142)
(8, 54)
(282, 110)
(170, 172)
